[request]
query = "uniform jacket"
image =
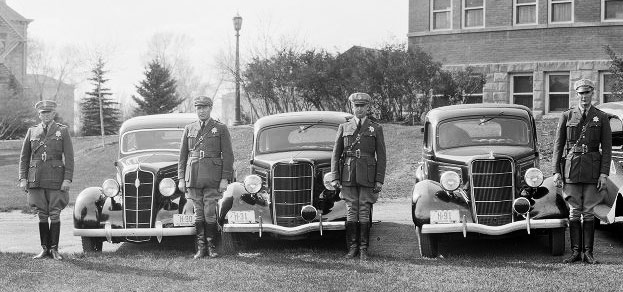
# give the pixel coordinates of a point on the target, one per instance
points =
(370, 167)
(41, 159)
(584, 162)
(217, 161)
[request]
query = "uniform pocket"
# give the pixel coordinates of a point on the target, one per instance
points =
(33, 171)
(594, 132)
(346, 170)
(371, 170)
(596, 164)
(214, 172)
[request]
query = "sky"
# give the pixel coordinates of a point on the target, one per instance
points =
(122, 29)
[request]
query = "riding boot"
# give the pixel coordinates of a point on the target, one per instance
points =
(211, 232)
(589, 238)
(575, 235)
(44, 235)
(55, 232)
(364, 240)
(200, 239)
(352, 239)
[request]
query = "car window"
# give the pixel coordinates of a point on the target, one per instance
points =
(152, 139)
(297, 137)
(483, 131)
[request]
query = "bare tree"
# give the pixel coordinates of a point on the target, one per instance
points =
(52, 67)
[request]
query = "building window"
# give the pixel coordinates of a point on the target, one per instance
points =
(476, 96)
(524, 12)
(557, 92)
(606, 84)
(522, 90)
(560, 11)
(612, 10)
(473, 13)
(441, 14)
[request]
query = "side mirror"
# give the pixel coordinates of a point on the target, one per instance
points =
(616, 125)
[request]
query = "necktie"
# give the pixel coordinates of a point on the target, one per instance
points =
(359, 125)
(584, 114)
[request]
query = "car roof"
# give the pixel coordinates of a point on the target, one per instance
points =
(479, 109)
(331, 117)
(174, 120)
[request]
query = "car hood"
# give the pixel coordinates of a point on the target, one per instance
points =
(315, 157)
(152, 161)
(466, 154)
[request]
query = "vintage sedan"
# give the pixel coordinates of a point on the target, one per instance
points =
(480, 175)
(288, 193)
(142, 202)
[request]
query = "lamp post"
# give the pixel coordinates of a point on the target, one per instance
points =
(237, 26)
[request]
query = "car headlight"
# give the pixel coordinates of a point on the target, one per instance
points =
(450, 180)
(326, 180)
(167, 187)
(253, 183)
(110, 188)
(534, 177)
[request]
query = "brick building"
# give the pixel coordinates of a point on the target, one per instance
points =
(13, 29)
(531, 51)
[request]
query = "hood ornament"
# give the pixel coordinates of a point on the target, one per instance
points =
(137, 182)
(491, 154)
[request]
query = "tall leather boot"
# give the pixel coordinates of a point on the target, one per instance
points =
(352, 239)
(211, 232)
(364, 240)
(589, 237)
(55, 232)
(44, 236)
(200, 239)
(575, 235)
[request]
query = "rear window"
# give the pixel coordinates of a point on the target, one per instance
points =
(484, 131)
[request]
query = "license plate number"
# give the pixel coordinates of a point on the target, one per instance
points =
(183, 220)
(444, 216)
(241, 216)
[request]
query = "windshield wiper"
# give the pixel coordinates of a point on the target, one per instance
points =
(484, 121)
(301, 130)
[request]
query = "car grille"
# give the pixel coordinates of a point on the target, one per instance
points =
(492, 191)
(292, 189)
(138, 201)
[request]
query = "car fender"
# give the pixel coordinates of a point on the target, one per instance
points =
(549, 203)
(87, 208)
(425, 199)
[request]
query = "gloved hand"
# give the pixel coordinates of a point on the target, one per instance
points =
(65, 185)
(377, 187)
(23, 184)
(222, 186)
(336, 184)
(182, 185)
(601, 183)
(558, 179)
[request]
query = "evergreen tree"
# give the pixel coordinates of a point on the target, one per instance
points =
(158, 91)
(90, 105)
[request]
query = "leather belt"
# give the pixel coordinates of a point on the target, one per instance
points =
(584, 149)
(357, 153)
(204, 154)
(47, 157)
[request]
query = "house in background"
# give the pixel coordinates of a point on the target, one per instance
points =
(13, 36)
(531, 51)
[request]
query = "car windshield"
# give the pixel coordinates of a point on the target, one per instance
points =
(151, 139)
(489, 130)
(296, 137)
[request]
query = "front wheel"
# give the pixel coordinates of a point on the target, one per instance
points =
(92, 244)
(428, 243)
(557, 241)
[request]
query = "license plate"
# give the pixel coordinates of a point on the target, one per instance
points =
(183, 220)
(241, 216)
(444, 216)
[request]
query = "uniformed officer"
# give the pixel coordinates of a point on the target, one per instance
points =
(205, 167)
(580, 165)
(45, 176)
(358, 166)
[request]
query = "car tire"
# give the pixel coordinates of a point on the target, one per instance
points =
(428, 243)
(557, 241)
(92, 244)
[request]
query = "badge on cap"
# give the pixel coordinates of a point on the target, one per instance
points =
(214, 130)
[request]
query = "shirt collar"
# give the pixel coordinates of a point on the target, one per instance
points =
(362, 120)
(582, 109)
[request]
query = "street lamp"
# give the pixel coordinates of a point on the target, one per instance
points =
(237, 26)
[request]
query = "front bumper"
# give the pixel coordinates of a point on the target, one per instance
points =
(286, 231)
(465, 227)
(158, 231)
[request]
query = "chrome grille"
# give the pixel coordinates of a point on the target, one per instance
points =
(138, 201)
(292, 189)
(492, 191)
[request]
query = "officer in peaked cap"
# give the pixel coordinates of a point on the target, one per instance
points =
(358, 167)
(205, 167)
(580, 165)
(46, 169)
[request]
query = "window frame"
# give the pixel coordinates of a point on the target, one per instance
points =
(512, 88)
(602, 86)
(551, 10)
(464, 14)
(536, 13)
(548, 93)
(603, 13)
(432, 16)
